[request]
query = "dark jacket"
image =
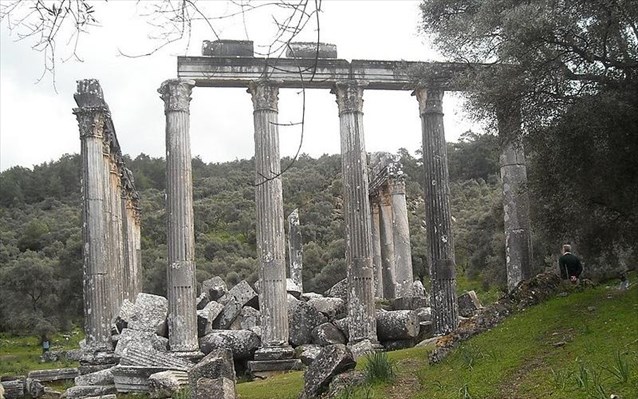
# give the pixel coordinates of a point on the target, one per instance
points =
(569, 266)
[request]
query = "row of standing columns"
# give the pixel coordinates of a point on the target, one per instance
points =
(361, 227)
(111, 218)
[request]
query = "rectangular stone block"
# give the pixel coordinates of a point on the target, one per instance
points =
(311, 50)
(54, 374)
(228, 48)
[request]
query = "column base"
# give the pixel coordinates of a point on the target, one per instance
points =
(193, 356)
(270, 361)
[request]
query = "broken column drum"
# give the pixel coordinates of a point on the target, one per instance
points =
(518, 240)
(359, 253)
(270, 216)
(181, 286)
(401, 233)
(295, 249)
(437, 211)
(91, 116)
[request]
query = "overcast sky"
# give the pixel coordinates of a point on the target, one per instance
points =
(37, 124)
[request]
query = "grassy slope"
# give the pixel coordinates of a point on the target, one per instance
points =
(564, 348)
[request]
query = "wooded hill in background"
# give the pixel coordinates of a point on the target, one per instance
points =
(41, 236)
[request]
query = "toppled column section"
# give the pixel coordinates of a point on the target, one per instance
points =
(107, 190)
(295, 249)
(518, 240)
(361, 318)
(437, 211)
(181, 287)
(270, 229)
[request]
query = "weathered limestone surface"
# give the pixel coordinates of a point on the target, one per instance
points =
(133, 378)
(332, 360)
(215, 287)
(245, 294)
(295, 249)
(79, 392)
(468, 304)
(149, 314)
(141, 339)
(376, 247)
(243, 343)
(356, 211)
(54, 374)
(308, 353)
(362, 348)
(339, 290)
(518, 240)
(217, 364)
(246, 319)
(181, 284)
(397, 325)
(270, 218)
(147, 357)
(437, 211)
(33, 387)
(386, 233)
(91, 115)
(331, 307)
(165, 384)
(218, 388)
(401, 236)
(206, 316)
(311, 50)
(302, 319)
(327, 334)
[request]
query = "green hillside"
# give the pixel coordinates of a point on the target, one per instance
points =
(583, 345)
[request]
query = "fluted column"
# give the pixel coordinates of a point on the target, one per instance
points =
(295, 249)
(91, 115)
(386, 235)
(270, 218)
(518, 240)
(117, 242)
(180, 285)
(401, 233)
(361, 316)
(437, 211)
(377, 264)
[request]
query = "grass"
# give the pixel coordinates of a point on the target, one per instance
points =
(21, 354)
(582, 346)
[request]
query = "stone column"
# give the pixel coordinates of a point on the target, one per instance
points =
(376, 247)
(518, 240)
(117, 242)
(361, 314)
(386, 234)
(437, 212)
(401, 232)
(131, 245)
(295, 249)
(138, 276)
(180, 285)
(270, 224)
(91, 115)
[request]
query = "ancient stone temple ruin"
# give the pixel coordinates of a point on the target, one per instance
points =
(261, 334)
(111, 214)
(390, 229)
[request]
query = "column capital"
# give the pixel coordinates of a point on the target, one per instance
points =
(265, 94)
(91, 121)
(430, 100)
(349, 95)
(176, 94)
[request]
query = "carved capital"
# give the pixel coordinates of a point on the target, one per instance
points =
(430, 100)
(91, 121)
(265, 95)
(349, 96)
(176, 94)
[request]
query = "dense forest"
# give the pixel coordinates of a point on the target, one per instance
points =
(41, 237)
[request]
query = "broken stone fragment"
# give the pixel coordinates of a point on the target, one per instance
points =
(149, 314)
(13, 389)
(78, 392)
(306, 296)
(245, 294)
(206, 316)
(133, 378)
(229, 313)
(342, 325)
(102, 377)
(327, 334)
(293, 288)
(397, 325)
(302, 319)
(140, 339)
(124, 315)
(145, 356)
(54, 374)
(307, 353)
(167, 383)
(215, 288)
(247, 318)
(242, 343)
(332, 360)
(361, 349)
(468, 304)
(218, 388)
(339, 290)
(34, 388)
(217, 364)
(333, 308)
(202, 300)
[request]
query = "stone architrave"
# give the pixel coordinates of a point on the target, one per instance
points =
(359, 253)
(518, 240)
(401, 232)
(91, 114)
(376, 247)
(295, 249)
(270, 221)
(386, 233)
(181, 284)
(437, 211)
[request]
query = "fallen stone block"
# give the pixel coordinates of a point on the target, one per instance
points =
(202, 300)
(333, 308)
(149, 314)
(345, 382)
(102, 377)
(409, 303)
(215, 288)
(81, 392)
(306, 296)
(167, 383)
(308, 353)
(342, 325)
(332, 360)
(361, 349)
(124, 315)
(247, 318)
(245, 294)
(302, 319)
(34, 387)
(145, 357)
(13, 389)
(468, 304)
(339, 290)
(418, 289)
(293, 288)
(217, 364)
(229, 313)
(397, 325)
(206, 316)
(140, 339)
(327, 334)
(54, 374)
(242, 343)
(218, 388)
(311, 50)
(133, 378)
